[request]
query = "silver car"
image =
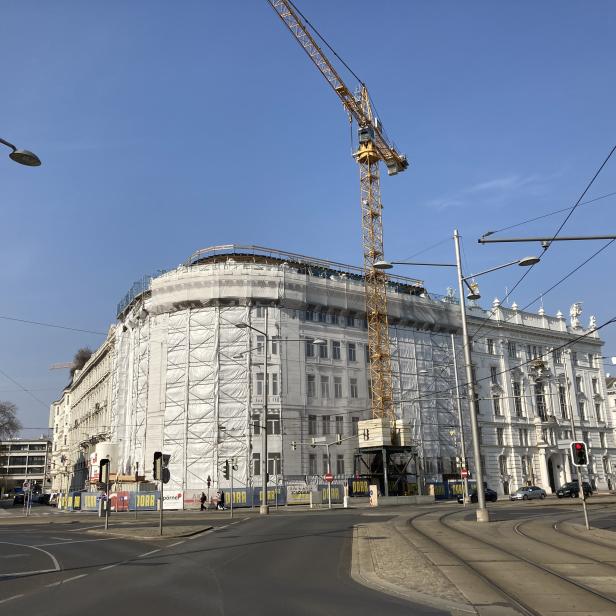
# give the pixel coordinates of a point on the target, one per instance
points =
(527, 493)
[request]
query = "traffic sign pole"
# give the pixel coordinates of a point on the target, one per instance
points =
(329, 486)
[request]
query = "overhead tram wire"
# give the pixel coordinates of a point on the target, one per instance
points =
(42, 324)
(24, 389)
(565, 209)
(548, 244)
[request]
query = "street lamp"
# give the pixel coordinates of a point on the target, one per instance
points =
(23, 157)
(482, 512)
(264, 508)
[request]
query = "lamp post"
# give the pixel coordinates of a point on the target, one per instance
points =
(482, 512)
(23, 157)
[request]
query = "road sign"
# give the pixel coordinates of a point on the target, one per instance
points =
(328, 477)
(464, 473)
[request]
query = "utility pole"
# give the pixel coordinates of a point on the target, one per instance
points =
(482, 512)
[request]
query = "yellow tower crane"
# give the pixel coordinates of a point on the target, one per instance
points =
(373, 148)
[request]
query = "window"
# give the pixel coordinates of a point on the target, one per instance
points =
(323, 351)
(523, 437)
(339, 464)
(453, 464)
(585, 438)
(339, 424)
(309, 315)
(322, 317)
(256, 424)
(582, 407)
(557, 356)
(502, 465)
(512, 349)
(337, 387)
(540, 401)
(261, 312)
(598, 411)
(311, 389)
(352, 353)
(603, 439)
(591, 360)
(595, 385)
(496, 404)
(574, 358)
(259, 377)
(335, 349)
(325, 424)
(325, 463)
(309, 347)
(353, 388)
(500, 436)
(439, 465)
(367, 353)
(256, 464)
(525, 466)
(312, 464)
(260, 344)
(490, 345)
(355, 426)
(480, 434)
(274, 384)
(274, 466)
(273, 422)
(350, 320)
(517, 398)
(324, 386)
(494, 375)
(312, 425)
(275, 341)
(562, 398)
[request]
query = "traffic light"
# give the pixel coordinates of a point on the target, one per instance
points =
(338, 439)
(158, 465)
(103, 474)
(366, 434)
(166, 458)
(313, 442)
(579, 455)
(209, 482)
(293, 445)
(226, 470)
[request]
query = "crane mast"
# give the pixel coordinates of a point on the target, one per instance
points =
(373, 147)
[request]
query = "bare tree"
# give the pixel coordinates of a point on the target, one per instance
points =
(80, 359)
(9, 424)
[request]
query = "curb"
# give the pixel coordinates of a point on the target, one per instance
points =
(123, 535)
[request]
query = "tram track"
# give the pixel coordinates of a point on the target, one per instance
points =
(511, 592)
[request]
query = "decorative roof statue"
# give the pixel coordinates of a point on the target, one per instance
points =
(574, 312)
(593, 322)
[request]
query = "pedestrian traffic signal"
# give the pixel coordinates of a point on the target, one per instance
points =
(293, 445)
(313, 442)
(166, 458)
(103, 474)
(209, 482)
(579, 455)
(158, 465)
(226, 469)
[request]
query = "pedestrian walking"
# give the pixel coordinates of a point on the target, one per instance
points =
(203, 499)
(222, 499)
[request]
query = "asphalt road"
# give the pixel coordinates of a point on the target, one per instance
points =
(288, 563)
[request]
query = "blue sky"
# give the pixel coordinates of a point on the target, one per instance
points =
(165, 127)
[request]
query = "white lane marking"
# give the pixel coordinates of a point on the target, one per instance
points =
(148, 553)
(109, 567)
(53, 584)
(10, 598)
(13, 555)
(60, 539)
(176, 543)
(33, 547)
(76, 577)
(70, 542)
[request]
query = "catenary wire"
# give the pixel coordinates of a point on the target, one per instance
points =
(42, 324)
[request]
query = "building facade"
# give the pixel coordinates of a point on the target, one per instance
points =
(177, 375)
(24, 460)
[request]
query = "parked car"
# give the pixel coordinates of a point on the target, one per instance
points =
(572, 489)
(489, 494)
(18, 499)
(527, 493)
(43, 499)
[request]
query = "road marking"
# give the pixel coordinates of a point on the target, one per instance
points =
(14, 555)
(53, 584)
(148, 553)
(109, 567)
(10, 598)
(33, 547)
(70, 541)
(74, 578)
(176, 543)
(60, 539)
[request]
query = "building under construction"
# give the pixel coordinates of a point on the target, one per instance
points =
(182, 378)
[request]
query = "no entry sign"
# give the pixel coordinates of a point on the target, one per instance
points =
(328, 477)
